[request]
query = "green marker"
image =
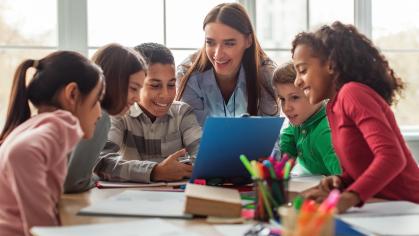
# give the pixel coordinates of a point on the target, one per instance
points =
(298, 201)
(254, 166)
(246, 164)
(287, 170)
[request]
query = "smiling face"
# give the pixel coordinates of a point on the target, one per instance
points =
(314, 77)
(294, 104)
(159, 89)
(135, 84)
(225, 47)
(88, 110)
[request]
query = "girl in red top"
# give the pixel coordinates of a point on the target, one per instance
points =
(338, 63)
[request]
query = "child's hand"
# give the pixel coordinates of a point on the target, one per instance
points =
(171, 169)
(315, 194)
(347, 200)
(330, 182)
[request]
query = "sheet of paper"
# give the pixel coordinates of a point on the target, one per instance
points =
(151, 227)
(299, 184)
(233, 229)
(387, 225)
(385, 218)
(108, 184)
(140, 203)
(388, 208)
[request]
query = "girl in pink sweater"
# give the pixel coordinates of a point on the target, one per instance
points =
(338, 63)
(66, 90)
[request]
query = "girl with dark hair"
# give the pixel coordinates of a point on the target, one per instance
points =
(124, 70)
(230, 75)
(66, 90)
(338, 63)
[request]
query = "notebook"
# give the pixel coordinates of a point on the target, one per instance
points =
(132, 203)
(223, 141)
(149, 227)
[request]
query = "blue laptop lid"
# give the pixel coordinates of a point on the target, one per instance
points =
(223, 141)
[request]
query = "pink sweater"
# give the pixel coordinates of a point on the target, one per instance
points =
(375, 159)
(33, 166)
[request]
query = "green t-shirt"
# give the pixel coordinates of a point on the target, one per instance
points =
(312, 145)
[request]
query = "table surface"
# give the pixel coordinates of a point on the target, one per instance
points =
(70, 204)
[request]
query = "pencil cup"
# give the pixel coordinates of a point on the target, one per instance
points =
(279, 190)
(292, 224)
(270, 195)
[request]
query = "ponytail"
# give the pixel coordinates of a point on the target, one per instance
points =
(18, 110)
(53, 72)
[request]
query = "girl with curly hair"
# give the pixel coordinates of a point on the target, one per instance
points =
(338, 63)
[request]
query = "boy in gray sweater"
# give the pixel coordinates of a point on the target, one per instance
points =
(146, 144)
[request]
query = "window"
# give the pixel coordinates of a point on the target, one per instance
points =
(395, 29)
(277, 22)
(25, 34)
(128, 22)
(131, 22)
(327, 11)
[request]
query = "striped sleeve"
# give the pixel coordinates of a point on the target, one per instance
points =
(112, 167)
(191, 130)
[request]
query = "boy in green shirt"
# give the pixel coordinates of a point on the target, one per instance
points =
(307, 138)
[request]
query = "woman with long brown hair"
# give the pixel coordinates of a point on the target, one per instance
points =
(230, 75)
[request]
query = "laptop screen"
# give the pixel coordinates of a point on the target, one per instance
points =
(223, 141)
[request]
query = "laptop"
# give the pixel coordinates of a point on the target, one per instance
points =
(223, 141)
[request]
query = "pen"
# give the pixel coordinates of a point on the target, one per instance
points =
(270, 168)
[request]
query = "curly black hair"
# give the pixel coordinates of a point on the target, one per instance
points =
(354, 58)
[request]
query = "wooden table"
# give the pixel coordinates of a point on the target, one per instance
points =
(70, 204)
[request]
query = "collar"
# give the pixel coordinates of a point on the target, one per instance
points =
(315, 118)
(241, 81)
(136, 111)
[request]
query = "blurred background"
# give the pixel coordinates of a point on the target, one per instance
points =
(33, 29)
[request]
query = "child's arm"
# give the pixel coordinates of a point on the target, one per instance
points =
(111, 165)
(33, 159)
(287, 142)
(171, 169)
(85, 157)
(190, 130)
(368, 115)
(29, 183)
(319, 193)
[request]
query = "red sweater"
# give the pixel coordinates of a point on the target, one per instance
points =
(375, 159)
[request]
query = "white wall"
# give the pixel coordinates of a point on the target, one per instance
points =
(414, 148)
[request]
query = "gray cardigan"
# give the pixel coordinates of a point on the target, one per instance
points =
(84, 158)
